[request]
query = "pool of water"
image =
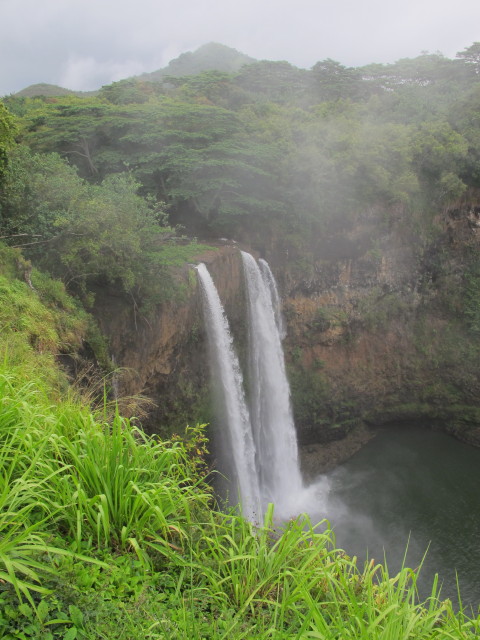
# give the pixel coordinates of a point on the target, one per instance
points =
(415, 488)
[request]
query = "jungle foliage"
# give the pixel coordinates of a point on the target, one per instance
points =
(221, 143)
(268, 146)
(88, 234)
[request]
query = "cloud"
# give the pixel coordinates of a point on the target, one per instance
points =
(86, 43)
(87, 73)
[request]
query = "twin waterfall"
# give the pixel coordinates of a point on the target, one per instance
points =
(261, 434)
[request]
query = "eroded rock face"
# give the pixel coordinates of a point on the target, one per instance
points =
(379, 335)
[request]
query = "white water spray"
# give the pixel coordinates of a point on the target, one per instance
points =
(229, 383)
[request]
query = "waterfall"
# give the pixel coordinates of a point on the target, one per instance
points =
(271, 414)
(115, 385)
(229, 386)
(272, 286)
(262, 440)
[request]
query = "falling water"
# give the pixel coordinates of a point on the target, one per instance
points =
(271, 414)
(262, 440)
(115, 385)
(229, 383)
(277, 306)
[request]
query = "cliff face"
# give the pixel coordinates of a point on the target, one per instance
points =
(378, 331)
(381, 333)
(162, 357)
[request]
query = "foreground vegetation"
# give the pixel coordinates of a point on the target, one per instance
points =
(107, 533)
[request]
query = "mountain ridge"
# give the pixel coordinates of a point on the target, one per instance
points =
(208, 57)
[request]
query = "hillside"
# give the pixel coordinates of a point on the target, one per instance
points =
(350, 183)
(209, 57)
(99, 524)
(49, 90)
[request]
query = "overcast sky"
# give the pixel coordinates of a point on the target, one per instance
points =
(84, 44)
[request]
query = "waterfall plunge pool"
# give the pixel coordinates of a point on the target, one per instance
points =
(411, 486)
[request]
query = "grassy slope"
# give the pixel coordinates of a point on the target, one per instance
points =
(105, 533)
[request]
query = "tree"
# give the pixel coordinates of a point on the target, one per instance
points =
(285, 143)
(332, 81)
(278, 82)
(439, 154)
(70, 126)
(111, 234)
(80, 232)
(416, 89)
(37, 189)
(8, 130)
(471, 55)
(465, 119)
(383, 158)
(131, 91)
(195, 157)
(208, 87)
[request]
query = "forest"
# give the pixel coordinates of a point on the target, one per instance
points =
(268, 147)
(106, 532)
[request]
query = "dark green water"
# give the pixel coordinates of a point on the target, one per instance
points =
(417, 484)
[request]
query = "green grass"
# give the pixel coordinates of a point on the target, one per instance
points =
(108, 533)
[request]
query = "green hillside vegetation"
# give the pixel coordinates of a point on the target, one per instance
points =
(45, 90)
(108, 533)
(209, 57)
(212, 56)
(276, 144)
(90, 233)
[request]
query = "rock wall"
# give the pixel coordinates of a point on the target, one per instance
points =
(377, 330)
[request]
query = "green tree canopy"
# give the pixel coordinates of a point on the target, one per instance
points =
(471, 55)
(86, 233)
(8, 130)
